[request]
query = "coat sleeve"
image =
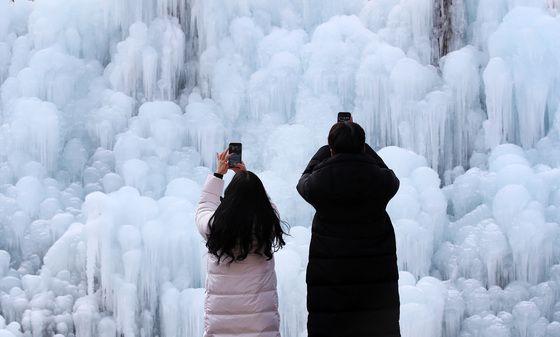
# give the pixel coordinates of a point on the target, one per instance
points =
(390, 183)
(305, 184)
(209, 202)
(322, 154)
(305, 188)
(375, 156)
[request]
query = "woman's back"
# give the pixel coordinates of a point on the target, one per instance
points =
(241, 297)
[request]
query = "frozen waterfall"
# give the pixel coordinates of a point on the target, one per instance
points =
(111, 113)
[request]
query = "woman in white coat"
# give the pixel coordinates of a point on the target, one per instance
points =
(242, 231)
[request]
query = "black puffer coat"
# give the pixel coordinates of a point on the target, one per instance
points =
(352, 275)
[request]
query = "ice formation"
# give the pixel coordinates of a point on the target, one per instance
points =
(111, 113)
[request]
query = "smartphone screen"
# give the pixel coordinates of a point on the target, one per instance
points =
(344, 117)
(235, 151)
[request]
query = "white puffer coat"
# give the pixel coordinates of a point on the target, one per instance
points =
(241, 297)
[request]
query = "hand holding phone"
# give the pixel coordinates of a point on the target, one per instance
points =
(344, 117)
(239, 168)
(222, 159)
(234, 150)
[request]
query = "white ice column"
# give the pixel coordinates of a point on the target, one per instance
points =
(421, 26)
(373, 89)
(149, 63)
(35, 130)
(273, 90)
(553, 6)
(122, 13)
(498, 82)
(530, 237)
(430, 121)
(205, 129)
(531, 92)
(335, 48)
(488, 17)
(168, 35)
(528, 41)
(460, 72)
(410, 82)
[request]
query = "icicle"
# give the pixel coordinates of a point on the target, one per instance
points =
(4, 263)
(534, 83)
(414, 246)
(171, 59)
(494, 253)
(205, 130)
(125, 302)
(525, 315)
(149, 274)
(453, 313)
(85, 316)
(149, 62)
(35, 126)
(373, 89)
(405, 91)
(422, 308)
(460, 72)
(273, 91)
(107, 327)
(421, 25)
(553, 6)
(169, 312)
(499, 105)
(429, 133)
(149, 71)
(192, 312)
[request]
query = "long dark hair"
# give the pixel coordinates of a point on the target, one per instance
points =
(245, 222)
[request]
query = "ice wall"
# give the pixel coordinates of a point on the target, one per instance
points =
(111, 113)
(535, 88)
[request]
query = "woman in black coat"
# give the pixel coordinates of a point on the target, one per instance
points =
(352, 275)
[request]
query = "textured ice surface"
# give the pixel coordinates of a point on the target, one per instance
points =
(111, 113)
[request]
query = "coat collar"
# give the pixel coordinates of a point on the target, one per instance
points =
(344, 158)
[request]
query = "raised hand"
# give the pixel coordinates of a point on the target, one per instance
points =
(239, 167)
(222, 162)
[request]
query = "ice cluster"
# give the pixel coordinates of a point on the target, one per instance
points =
(111, 113)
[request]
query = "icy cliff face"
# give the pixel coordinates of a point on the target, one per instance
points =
(111, 113)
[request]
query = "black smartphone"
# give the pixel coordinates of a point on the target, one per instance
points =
(235, 151)
(344, 117)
